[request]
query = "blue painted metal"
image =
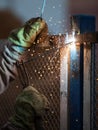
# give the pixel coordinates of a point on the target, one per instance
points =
(81, 24)
(75, 91)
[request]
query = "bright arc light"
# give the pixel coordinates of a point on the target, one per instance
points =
(70, 41)
(70, 38)
(73, 46)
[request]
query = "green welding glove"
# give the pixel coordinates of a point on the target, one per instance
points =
(30, 106)
(27, 34)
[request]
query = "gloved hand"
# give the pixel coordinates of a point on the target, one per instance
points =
(28, 33)
(19, 41)
(30, 106)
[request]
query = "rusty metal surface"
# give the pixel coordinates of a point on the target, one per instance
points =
(90, 37)
(7, 100)
(96, 89)
(43, 69)
(87, 37)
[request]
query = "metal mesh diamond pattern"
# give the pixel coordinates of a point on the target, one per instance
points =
(43, 70)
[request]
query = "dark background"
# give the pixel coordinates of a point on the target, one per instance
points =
(56, 13)
(89, 7)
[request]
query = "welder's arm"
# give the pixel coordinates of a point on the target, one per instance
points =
(19, 41)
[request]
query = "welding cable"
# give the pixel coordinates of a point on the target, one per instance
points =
(43, 7)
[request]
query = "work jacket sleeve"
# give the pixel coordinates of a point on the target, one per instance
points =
(8, 71)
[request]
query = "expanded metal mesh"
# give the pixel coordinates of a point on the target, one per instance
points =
(41, 69)
(96, 87)
(7, 101)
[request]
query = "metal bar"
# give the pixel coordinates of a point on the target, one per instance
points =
(64, 53)
(75, 92)
(90, 37)
(81, 24)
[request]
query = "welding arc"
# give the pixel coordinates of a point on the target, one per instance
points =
(43, 7)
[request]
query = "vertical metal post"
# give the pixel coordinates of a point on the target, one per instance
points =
(64, 53)
(75, 89)
(86, 87)
(80, 24)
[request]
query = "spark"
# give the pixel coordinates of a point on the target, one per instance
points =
(53, 7)
(51, 17)
(51, 72)
(60, 5)
(31, 54)
(35, 71)
(39, 8)
(51, 95)
(17, 86)
(70, 38)
(41, 75)
(50, 20)
(52, 112)
(28, 49)
(38, 72)
(59, 22)
(43, 56)
(48, 68)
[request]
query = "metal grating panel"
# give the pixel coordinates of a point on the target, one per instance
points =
(96, 88)
(43, 70)
(7, 100)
